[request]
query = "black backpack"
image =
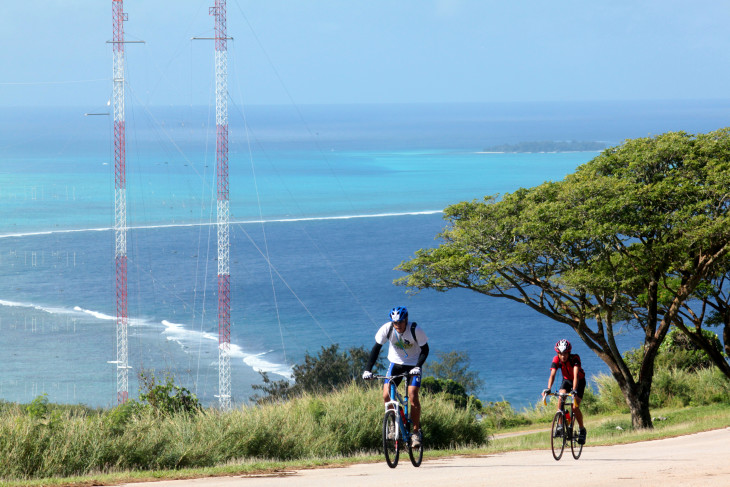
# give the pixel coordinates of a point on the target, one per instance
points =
(413, 331)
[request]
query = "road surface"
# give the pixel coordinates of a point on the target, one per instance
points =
(701, 459)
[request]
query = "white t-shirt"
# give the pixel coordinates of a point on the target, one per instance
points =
(404, 349)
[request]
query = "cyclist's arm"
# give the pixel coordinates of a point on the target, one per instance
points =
(576, 369)
(423, 355)
(373, 356)
(552, 378)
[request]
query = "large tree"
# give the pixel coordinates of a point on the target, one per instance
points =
(623, 241)
(710, 305)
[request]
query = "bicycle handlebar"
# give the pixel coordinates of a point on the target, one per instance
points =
(404, 374)
(557, 394)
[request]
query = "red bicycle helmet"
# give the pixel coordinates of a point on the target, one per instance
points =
(563, 346)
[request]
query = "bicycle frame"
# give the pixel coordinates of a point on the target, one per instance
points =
(568, 399)
(400, 404)
(397, 425)
(565, 418)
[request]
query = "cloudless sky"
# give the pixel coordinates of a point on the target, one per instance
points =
(55, 52)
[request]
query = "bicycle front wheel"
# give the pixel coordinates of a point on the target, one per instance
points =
(558, 435)
(390, 439)
(575, 447)
(416, 453)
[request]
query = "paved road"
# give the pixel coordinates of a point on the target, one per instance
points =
(701, 459)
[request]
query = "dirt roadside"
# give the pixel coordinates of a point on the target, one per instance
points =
(699, 459)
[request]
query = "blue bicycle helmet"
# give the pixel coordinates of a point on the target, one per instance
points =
(399, 313)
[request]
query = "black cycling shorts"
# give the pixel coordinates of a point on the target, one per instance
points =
(568, 386)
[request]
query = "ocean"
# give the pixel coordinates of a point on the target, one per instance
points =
(325, 202)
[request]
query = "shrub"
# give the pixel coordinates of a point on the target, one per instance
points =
(451, 391)
(167, 398)
(676, 351)
(501, 415)
(321, 373)
(455, 366)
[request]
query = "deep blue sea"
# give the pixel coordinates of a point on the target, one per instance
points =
(325, 202)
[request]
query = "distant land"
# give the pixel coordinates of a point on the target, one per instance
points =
(549, 146)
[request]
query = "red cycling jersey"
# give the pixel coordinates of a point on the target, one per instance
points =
(567, 367)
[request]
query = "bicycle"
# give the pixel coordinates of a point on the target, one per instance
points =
(565, 420)
(397, 426)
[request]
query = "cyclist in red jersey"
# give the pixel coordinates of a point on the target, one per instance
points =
(574, 379)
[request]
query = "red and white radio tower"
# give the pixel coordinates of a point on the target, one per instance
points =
(120, 203)
(224, 277)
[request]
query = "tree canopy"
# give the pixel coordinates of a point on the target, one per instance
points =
(454, 366)
(320, 373)
(625, 240)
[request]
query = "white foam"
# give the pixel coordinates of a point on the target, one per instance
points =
(176, 332)
(184, 337)
(234, 222)
(95, 314)
(257, 363)
(46, 309)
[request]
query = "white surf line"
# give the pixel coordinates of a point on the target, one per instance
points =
(212, 224)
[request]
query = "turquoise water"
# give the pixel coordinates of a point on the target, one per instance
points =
(345, 199)
(67, 192)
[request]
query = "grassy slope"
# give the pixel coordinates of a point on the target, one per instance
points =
(602, 431)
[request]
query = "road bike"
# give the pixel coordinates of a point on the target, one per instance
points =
(397, 425)
(563, 430)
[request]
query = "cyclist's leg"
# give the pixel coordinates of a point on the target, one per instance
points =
(386, 384)
(414, 385)
(577, 412)
(564, 388)
(576, 402)
(415, 407)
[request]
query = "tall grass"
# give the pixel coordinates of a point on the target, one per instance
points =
(671, 388)
(45, 443)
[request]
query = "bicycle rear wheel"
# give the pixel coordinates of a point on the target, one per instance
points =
(390, 439)
(557, 439)
(575, 447)
(416, 454)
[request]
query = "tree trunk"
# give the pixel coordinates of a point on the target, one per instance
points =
(637, 399)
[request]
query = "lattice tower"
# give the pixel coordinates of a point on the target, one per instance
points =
(223, 204)
(120, 203)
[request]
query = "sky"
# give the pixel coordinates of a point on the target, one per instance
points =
(56, 52)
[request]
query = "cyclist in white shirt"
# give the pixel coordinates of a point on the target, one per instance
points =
(407, 353)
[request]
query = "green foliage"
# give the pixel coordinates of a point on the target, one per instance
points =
(448, 386)
(678, 388)
(324, 372)
(164, 398)
(330, 369)
(672, 387)
(455, 366)
(451, 391)
(38, 408)
(501, 414)
(676, 352)
(117, 418)
(624, 241)
(344, 422)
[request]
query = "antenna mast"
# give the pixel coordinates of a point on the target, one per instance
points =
(224, 277)
(120, 203)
